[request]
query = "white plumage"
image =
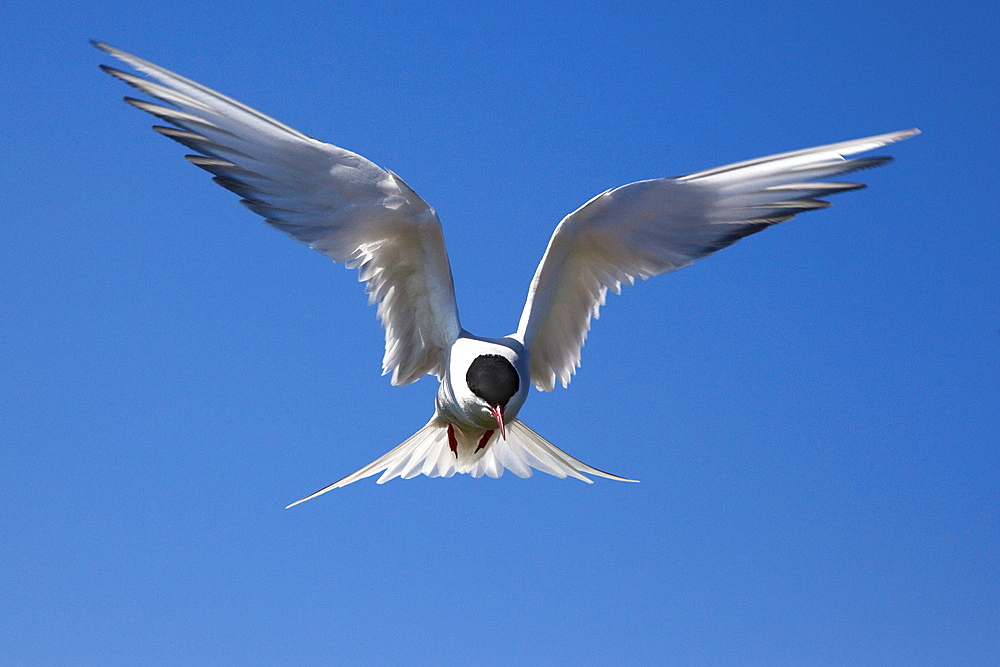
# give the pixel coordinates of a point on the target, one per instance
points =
(367, 218)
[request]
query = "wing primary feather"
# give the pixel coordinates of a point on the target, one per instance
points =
(828, 151)
(245, 191)
(199, 143)
(841, 167)
(181, 119)
(154, 89)
(815, 188)
(194, 89)
(226, 169)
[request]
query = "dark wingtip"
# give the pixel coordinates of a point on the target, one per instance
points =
(873, 161)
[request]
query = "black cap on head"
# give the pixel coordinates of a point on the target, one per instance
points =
(493, 379)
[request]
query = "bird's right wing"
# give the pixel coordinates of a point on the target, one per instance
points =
(331, 199)
(650, 227)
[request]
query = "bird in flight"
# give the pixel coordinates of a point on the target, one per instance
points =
(369, 219)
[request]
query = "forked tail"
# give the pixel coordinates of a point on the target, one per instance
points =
(430, 452)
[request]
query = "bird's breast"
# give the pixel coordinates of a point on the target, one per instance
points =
(456, 401)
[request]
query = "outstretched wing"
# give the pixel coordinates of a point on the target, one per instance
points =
(331, 199)
(651, 227)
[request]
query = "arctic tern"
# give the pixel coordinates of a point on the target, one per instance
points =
(368, 219)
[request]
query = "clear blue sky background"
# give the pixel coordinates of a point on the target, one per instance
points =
(813, 413)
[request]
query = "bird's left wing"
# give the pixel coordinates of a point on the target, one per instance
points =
(331, 199)
(651, 227)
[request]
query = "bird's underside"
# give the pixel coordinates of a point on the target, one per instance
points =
(369, 219)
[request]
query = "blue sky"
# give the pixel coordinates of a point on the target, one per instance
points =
(813, 412)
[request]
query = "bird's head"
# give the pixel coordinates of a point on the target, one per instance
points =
(494, 380)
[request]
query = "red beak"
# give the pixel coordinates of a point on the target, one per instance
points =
(497, 413)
